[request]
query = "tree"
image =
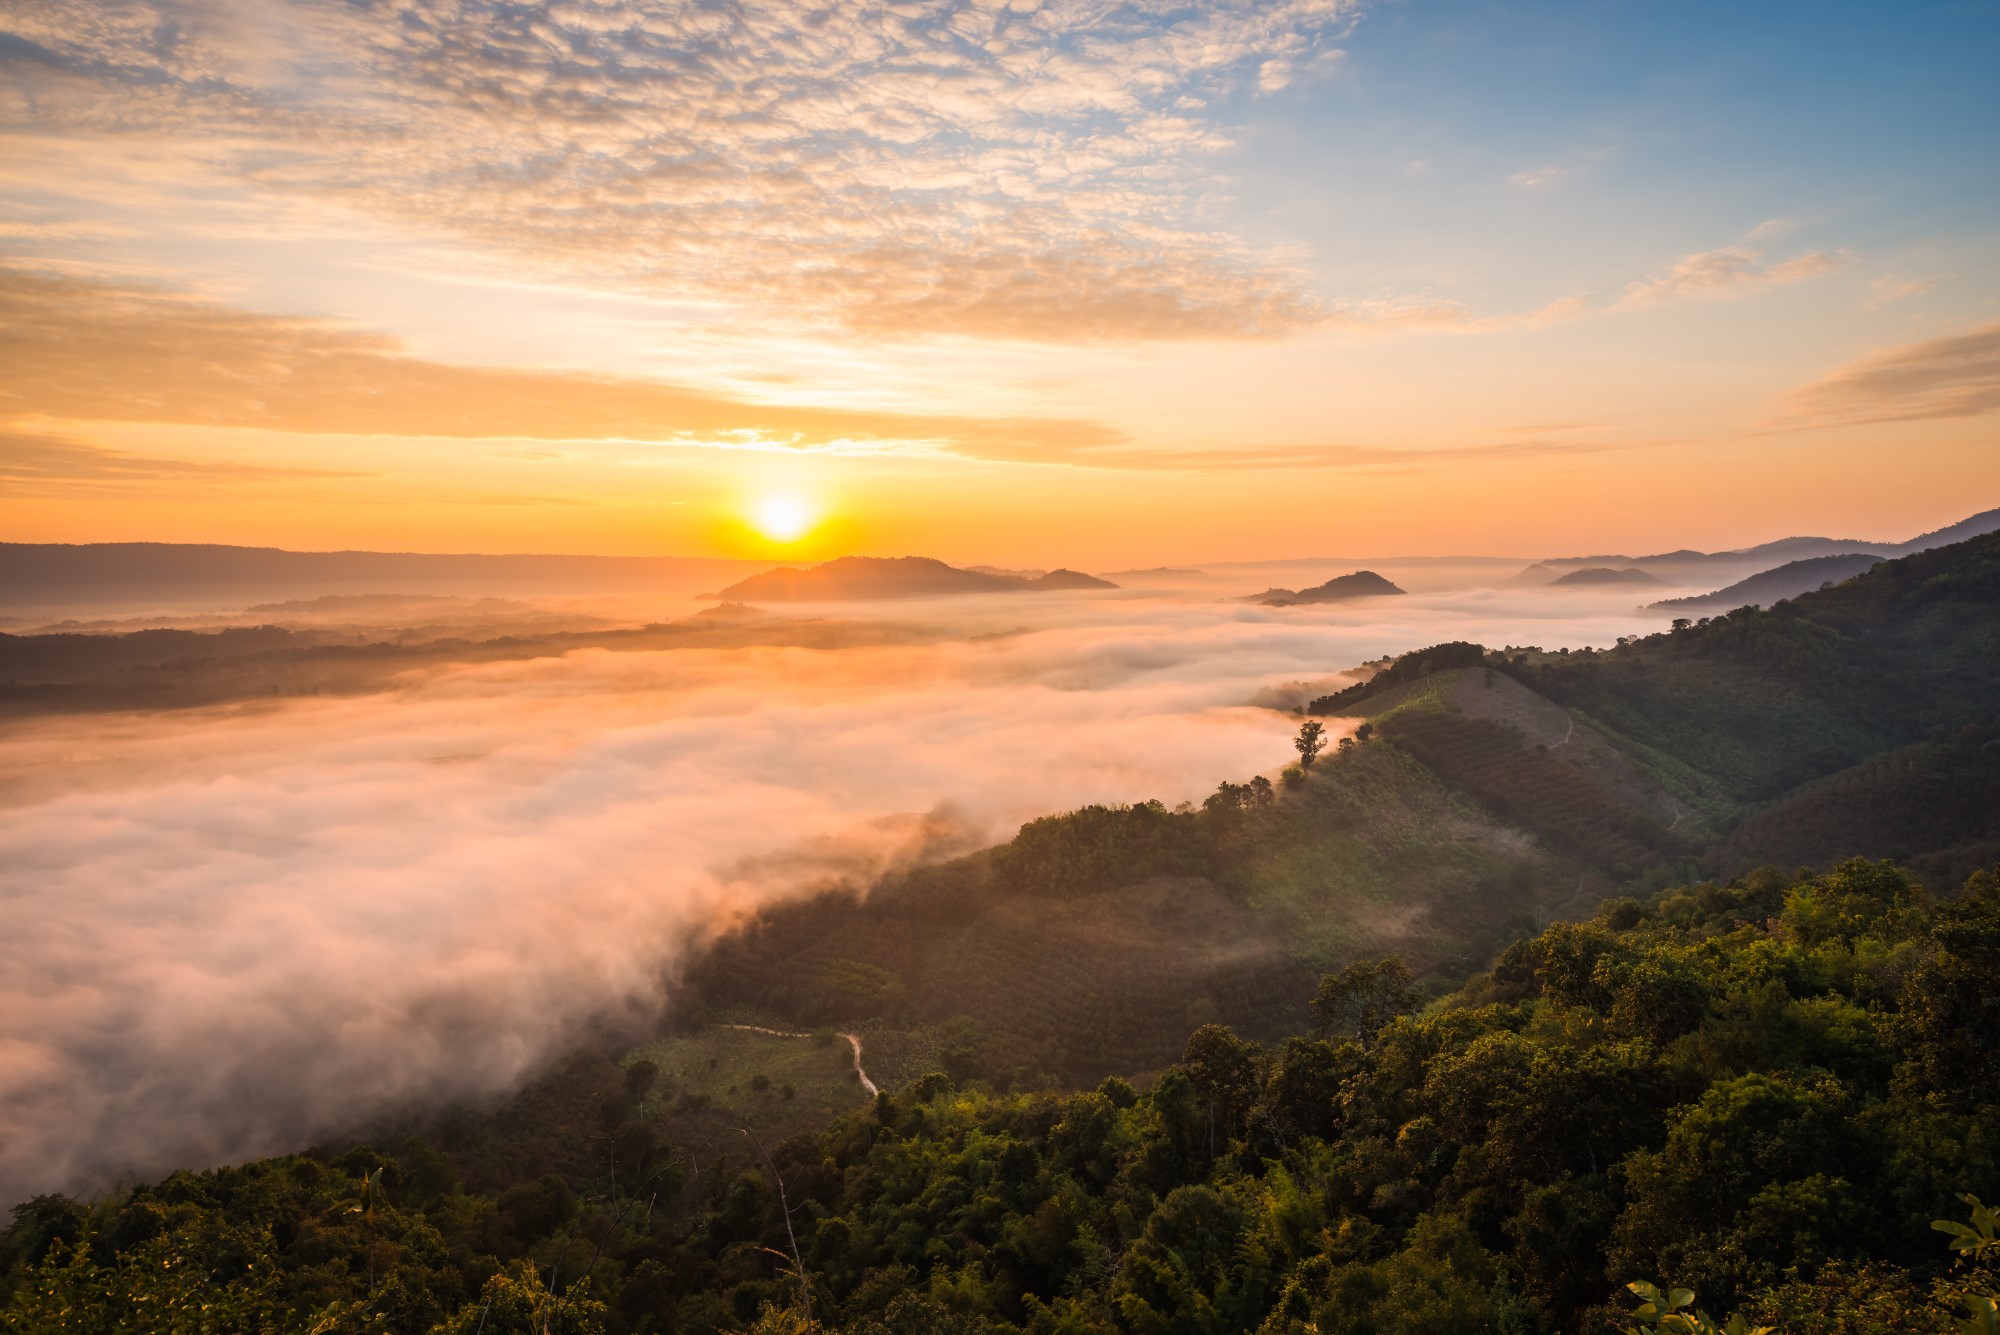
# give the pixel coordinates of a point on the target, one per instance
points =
(516, 1300)
(1675, 1311)
(639, 1078)
(1363, 997)
(1310, 741)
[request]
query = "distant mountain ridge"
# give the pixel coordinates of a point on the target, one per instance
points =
(1800, 548)
(874, 578)
(41, 572)
(1359, 584)
(1598, 576)
(1770, 586)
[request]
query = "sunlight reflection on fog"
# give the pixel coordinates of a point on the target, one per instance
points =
(236, 928)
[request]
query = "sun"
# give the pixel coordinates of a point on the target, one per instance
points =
(782, 518)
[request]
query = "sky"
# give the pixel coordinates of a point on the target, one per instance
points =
(1036, 282)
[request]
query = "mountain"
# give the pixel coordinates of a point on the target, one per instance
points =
(863, 578)
(871, 578)
(1604, 575)
(1533, 577)
(1359, 584)
(1765, 554)
(49, 574)
(1069, 579)
(1159, 572)
(1986, 521)
(1786, 581)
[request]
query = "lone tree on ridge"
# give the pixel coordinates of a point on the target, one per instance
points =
(1310, 741)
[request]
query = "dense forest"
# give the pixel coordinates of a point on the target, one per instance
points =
(1494, 1012)
(1764, 1092)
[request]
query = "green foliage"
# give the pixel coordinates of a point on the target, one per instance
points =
(1532, 788)
(1098, 848)
(1363, 997)
(1310, 742)
(1675, 1312)
(1976, 1239)
(515, 1302)
(1735, 1085)
(1756, 702)
(1411, 667)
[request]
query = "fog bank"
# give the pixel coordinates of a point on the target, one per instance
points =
(232, 931)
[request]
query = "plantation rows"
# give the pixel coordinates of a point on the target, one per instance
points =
(1101, 1009)
(1531, 788)
(1921, 797)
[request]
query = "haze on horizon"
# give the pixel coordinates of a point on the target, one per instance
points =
(1038, 282)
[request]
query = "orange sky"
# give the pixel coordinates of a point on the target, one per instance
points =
(1017, 284)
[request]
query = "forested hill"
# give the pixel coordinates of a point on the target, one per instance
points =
(1483, 1015)
(1765, 1092)
(1856, 719)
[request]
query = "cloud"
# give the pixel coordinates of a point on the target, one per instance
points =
(932, 155)
(39, 465)
(232, 933)
(1889, 288)
(1375, 460)
(80, 350)
(1956, 376)
(1534, 178)
(1732, 271)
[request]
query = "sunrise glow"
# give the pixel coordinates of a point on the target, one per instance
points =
(1093, 284)
(782, 518)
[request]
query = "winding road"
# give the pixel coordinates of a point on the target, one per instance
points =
(853, 1041)
(1568, 732)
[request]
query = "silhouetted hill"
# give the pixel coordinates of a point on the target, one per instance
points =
(1069, 579)
(1787, 581)
(1794, 549)
(869, 578)
(1360, 584)
(1986, 521)
(63, 672)
(1604, 575)
(45, 574)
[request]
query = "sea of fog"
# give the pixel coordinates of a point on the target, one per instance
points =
(233, 930)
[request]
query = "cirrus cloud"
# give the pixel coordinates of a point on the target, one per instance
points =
(1954, 376)
(1730, 271)
(79, 350)
(1034, 169)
